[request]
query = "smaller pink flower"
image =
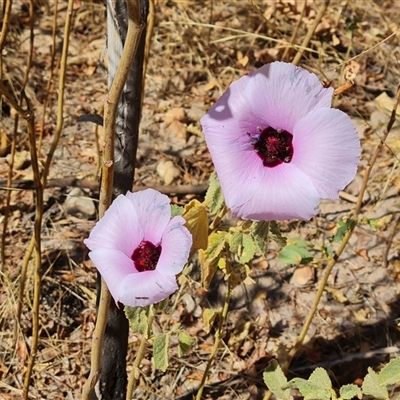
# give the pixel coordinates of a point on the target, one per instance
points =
(138, 249)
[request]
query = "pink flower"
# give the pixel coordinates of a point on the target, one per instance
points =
(277, 145)
(138, 249)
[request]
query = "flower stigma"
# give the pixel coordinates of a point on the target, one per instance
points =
(273, 146)
(146, 256)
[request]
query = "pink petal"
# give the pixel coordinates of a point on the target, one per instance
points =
(119, 228)
(145, 288)
(226, 128)
(176, 244)
(327, 149)
(284, 193)
(281, 93)
(154, 212)
(114, 266)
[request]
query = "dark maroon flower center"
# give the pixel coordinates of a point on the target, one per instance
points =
(274, 146)
(146, 256)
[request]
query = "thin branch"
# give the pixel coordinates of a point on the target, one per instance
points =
(61, 92)
(38, 255)
(310, 32)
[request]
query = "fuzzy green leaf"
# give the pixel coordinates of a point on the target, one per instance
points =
(176, 210)
(347, 392)
(276, 380)
(292, 254)
(185, 342)
(315, 388)
(160, 351)
(137, 319)
(259, 231)
(371, 386)
(248, 250)
(321, 378)
(390, 374)
(209, 315)
(214, 195)
(216, 243)
(234, 240)
(276, 235)
(344, 226)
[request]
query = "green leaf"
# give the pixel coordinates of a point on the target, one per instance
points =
(276, 235)
(160, 351)
(373, 223)
(292, 254)
(276, 380)
(347, 392)
(176, 210)
(248, 250)
(259, 231)
(310, 390)
(321, 378)
(344, 226)
(138, 319)
(185, 342)
(298, 242)
(371, 386)
(318, 386)
(214, 195)
(216, 243)
(234, 240)
(390, 374)
(209, 316)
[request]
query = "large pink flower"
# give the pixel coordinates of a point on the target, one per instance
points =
(277, 145)
(138, 249)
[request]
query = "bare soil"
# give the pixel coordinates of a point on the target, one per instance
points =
(197, 49)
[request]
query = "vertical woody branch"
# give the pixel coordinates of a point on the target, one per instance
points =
(113, 380)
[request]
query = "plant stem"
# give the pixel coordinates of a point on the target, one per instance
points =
(134, 375)
(219, 332)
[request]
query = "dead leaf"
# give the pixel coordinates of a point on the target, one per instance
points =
(386, 104)
(337, 294)
(175, 114)
(167, 171)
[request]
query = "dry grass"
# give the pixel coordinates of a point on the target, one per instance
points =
(197, 49)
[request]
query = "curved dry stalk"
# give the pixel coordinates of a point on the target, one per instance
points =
(110, 115)
(6, 25)
(38, 253)
(22, 281)
(296, 29)
(50, 80)
(310, 32)
(219, 332)
(61, 90)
